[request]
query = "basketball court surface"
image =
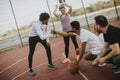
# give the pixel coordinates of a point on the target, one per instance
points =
(14, 64)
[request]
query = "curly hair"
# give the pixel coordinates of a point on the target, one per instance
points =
(44, 16)
(61, 6)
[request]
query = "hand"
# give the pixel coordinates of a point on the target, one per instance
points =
(67, 5)
(56, 6)
(74, 62)
(53, 31)
(48, 44)
(102, 60)
(96, 61)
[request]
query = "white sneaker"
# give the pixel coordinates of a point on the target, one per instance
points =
(77, 57)
(66, 60)
(31, 73)
(101, 65)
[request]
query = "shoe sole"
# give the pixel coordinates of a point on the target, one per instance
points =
(117, 72)
(101, 65)
(32, 74)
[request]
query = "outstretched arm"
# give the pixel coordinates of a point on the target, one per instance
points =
(62, 33)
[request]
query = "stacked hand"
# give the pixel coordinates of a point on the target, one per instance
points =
(53, 31)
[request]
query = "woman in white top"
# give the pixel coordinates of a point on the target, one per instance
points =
(39, 32)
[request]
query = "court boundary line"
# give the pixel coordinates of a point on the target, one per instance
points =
(18, 61)
(39, 66)
(82, 75)
(78, 70)
(33, 68)
(12, 65)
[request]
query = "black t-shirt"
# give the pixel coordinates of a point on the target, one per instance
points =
(112, 35)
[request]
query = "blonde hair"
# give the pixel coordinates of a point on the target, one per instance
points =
(61, 6)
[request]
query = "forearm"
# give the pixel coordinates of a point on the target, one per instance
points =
(55, 10)
(63, 33)
(110, 55)
(69, 6)
(80, 56)
(102, 53)
(43, 37)
(115, 51)
(82, 51)
(105, 48)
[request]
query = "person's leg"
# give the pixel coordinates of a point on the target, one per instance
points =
(116, 62)
(66, 42)
(74, 40)
(48, 51)
(32, 44)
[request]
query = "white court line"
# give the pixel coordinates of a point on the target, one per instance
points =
(12, 65)
(18, 61)
(82, 75)
(34, 68)
(78, 70)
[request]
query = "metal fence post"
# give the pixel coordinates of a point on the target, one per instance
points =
(16, 22)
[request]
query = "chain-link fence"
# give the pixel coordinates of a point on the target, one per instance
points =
(17, 16)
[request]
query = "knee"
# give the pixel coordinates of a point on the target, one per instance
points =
(116, 59)
(89, 56)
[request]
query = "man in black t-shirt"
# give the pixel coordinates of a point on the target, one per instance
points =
(111, 37)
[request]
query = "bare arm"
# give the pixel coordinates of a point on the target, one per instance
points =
(62, 33)
(54, 12)
(82, 51)
(105, 48)
(70, 8)
(102, 53)
(115, 51)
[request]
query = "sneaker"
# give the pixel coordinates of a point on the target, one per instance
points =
(114, 66)
(66, 60)
(31, 73)
(52, 67)
(101, 65)
(117, 70)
